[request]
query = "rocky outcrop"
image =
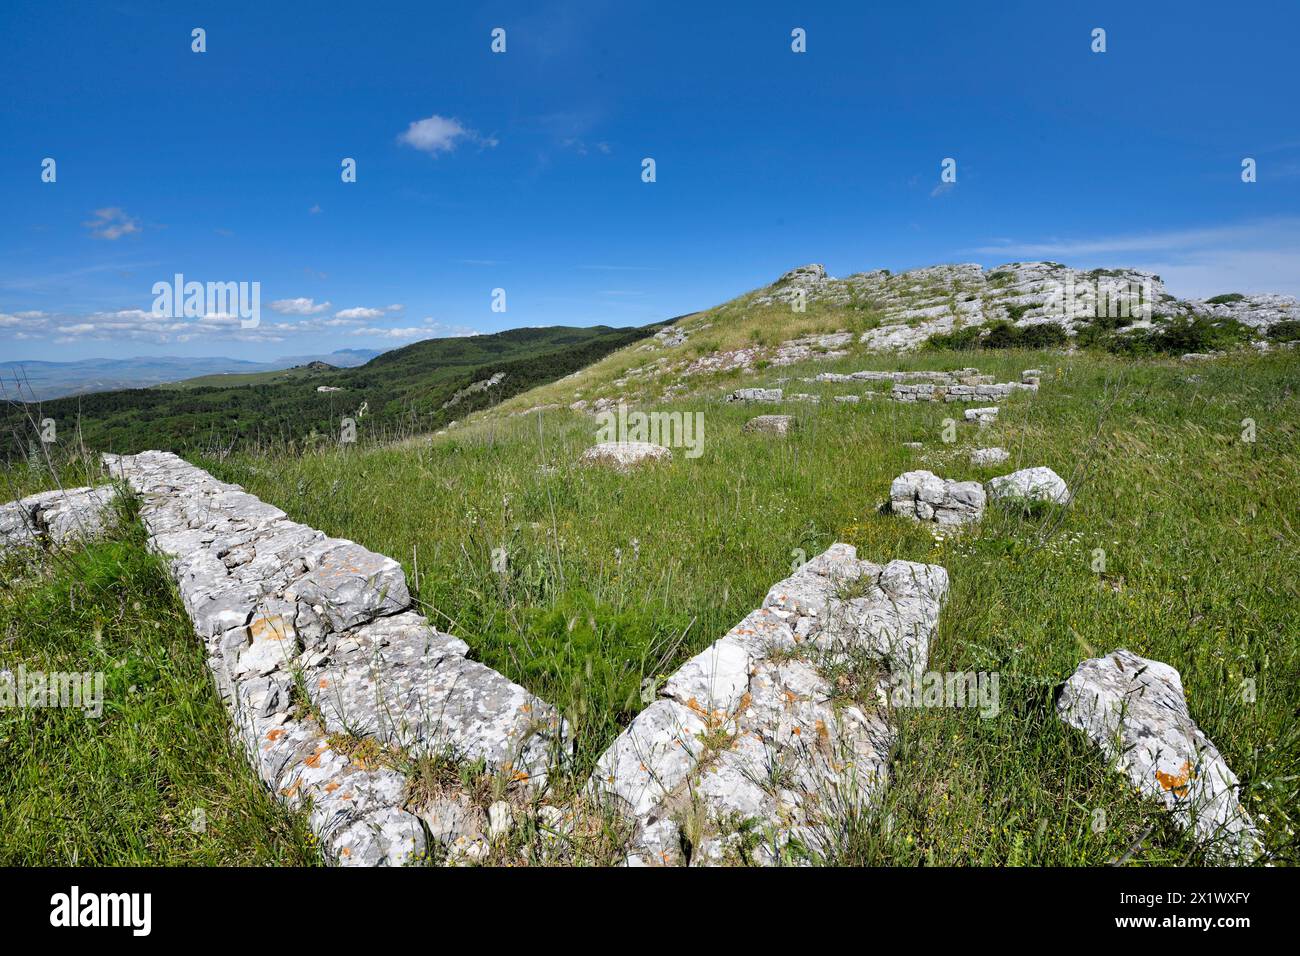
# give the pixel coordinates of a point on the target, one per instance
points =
(1029, 486)
(57, 518)
(1135, 711)
(918, 304)
(925, 496)
(751, 753)
(624, 455)
(473, 388)
(280, 606)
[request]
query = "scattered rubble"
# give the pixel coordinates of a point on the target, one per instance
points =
(988, 456)
(925, 496)
(755, 395)
(770, 424)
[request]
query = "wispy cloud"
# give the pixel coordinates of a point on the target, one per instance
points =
(1258, 256)
(440, 134)
(112, 222)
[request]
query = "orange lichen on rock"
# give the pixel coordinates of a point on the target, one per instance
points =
(1176, 783)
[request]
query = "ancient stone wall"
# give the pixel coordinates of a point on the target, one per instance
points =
(755, 728)
(314, 643)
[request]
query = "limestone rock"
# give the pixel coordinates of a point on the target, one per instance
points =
(270, 599)
(751, 737)
(770, 424)
(624, 455)
(982, 415)
(925, 496)
(60, 517)
(981, 457)
(1029, 485)
(755, 395)
(1135, 710)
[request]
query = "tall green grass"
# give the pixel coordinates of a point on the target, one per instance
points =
(155, 779)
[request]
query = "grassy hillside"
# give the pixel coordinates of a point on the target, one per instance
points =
(1183, 475)
(397, 393)
(616, 578)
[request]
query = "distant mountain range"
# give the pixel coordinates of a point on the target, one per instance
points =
(29, 380)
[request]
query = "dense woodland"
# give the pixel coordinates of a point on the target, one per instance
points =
(398, 393)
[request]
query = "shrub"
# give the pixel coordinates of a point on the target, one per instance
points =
(1226, 298)
(1000, 335)
(1288, 331)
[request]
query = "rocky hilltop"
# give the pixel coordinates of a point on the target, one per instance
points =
(923, 302)
(809, 316)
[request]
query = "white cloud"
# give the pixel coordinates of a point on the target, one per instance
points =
(112, 223)
(440, 134)
(299, 306)
(411, 333)
(360, 312)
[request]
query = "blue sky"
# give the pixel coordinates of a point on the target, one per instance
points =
(523, 170)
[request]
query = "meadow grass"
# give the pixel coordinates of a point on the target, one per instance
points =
(155, 778)
(611, 580)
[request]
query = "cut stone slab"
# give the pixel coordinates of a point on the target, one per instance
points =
(1029, 485)
(624, 455)
(59, 518)
(770, 424)
(755, 395)
(981, 457)
(982, 415)
(925, 496)
(1135, 711)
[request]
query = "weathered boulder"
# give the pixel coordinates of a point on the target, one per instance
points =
(988, 456)
(624, 455)
(755, 395)
(925, 496)
(982, 415)
(1135, 711)
(770, 424)
(1029, 486)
